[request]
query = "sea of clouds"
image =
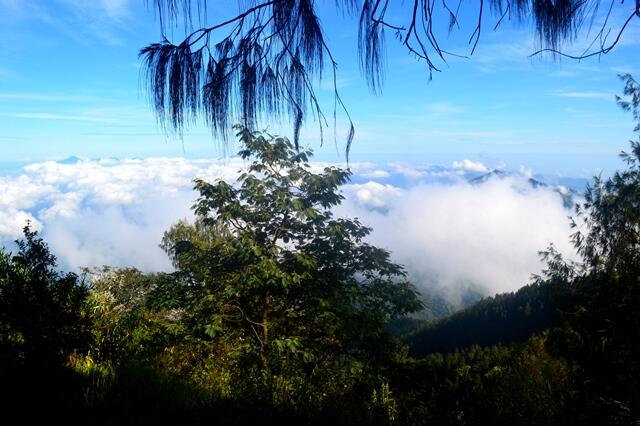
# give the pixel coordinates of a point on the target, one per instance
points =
(449, 232)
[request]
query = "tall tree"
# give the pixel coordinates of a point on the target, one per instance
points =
(603, 328)
(264, 61)
(269, 275)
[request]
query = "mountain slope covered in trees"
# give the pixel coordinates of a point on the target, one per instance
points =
(501, 319)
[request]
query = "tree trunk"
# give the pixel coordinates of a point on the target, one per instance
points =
(264, 345)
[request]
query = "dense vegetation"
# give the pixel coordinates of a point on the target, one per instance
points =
(501, 319)
(278, 311)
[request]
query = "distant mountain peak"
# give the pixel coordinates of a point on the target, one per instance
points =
(567, 194)
(70, 160)
(493, 173)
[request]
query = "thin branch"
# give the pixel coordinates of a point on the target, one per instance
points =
(386, 24)
(478, 29)
(507, 11)
(239, 17)
(602, 51)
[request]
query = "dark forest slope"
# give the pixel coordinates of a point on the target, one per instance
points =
(504, 318)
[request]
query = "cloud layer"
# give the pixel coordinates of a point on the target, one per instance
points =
(107, 211)
(457, 236)
(449, 233)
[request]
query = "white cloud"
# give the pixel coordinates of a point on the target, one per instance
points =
(122, 114)
(115, 211)
(107, 211)
(48, 97)
(12, 221)
(452, 236)
(117, 234)
(501, 165)
(330, 85)
(407, 170)
(59, 117)
(470, 166)
(472, 134)
(376, 174)
(116, 9)
(83, 21)
(623, 70)
(525, 171)
(374, 194)
(586, 95)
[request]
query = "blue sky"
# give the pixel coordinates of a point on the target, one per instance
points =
(70, 84)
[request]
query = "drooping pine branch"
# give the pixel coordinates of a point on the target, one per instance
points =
(265, 65)
(266, 61)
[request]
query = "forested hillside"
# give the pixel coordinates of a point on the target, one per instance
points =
(501, 319)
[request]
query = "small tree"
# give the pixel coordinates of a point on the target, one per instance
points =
(277, 279)
(123, 324)
(42, 315)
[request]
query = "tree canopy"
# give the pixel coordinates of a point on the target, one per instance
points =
(264, 61)
(272, 279)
